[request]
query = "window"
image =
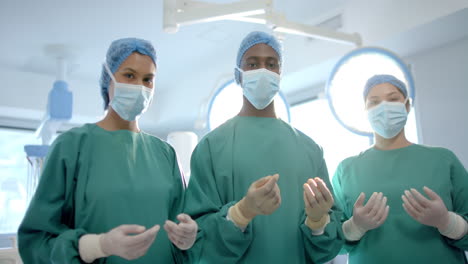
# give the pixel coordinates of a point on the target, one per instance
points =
(227, 102)
(315, 119)
(13, 177)
(347, 80)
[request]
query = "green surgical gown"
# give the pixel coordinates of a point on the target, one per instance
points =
(401, 239)
(223, 166)
(95, 180)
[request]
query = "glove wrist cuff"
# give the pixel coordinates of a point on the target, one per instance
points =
(237, 215)
(89, 247)
(456, 228)
(318, 225)
(351, 231)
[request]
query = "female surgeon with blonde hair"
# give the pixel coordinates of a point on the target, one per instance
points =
(417, 209)
(106, 187)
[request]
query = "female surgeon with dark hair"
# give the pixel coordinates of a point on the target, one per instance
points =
(106, 187)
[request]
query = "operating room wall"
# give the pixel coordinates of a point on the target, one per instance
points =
(23, 100)
(441, 81)
(379, 20)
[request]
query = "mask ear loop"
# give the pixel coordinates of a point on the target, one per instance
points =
(410, 105)
(109, 72)
(238, 71)
(407, 100)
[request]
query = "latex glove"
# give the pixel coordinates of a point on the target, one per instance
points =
(318, 200)
(263, 198)
(428, 212)
(128, 241)
(371, 215)
(182, 235)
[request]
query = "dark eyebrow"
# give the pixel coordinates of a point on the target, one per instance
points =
(128, 69)
(132, 70)
(252, 58)
(258, 57)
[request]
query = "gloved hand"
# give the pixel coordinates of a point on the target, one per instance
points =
(366, 217)
(428, 212)
(318, 200)
(371, 215)
(128, 241)
(182, 235)
(263, 198)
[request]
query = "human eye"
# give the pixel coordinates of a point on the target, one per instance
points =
(272, 65)
(252, 65)
(372, 103)
(148, 80)
(129, 75)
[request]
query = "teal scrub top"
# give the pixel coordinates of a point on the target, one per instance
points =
(401, 239)
(223, 166)
(95, 180)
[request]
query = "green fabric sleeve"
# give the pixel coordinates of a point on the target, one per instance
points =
(327, 246)
(459, 178)
(340, 202)
(177, 197)
(219, 240)
(176, 208)
(324, 247)
(46, 234)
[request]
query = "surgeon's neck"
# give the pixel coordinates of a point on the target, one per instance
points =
(249, 110)
(397, 142)
(112, 122)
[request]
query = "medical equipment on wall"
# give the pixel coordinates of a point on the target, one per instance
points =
(58, 111)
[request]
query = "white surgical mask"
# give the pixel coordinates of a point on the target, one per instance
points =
(388, 118)
(260, 86)
(130, 100)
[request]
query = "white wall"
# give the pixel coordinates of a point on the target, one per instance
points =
(23, 99)
(441, 82)
(383, 19)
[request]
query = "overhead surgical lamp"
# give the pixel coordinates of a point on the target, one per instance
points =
(179, 13)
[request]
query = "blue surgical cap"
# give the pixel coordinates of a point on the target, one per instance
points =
(118, 51)
(385, 78)
(254, 38)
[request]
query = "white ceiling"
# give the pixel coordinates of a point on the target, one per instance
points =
(88, 27)
(191, 63)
